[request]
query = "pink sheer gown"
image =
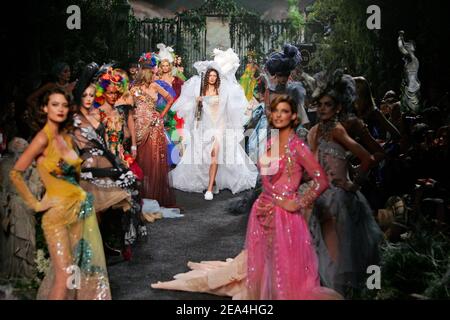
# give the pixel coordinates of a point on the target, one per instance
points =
(282, 263)
(280, 260)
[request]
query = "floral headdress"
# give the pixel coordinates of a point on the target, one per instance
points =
(148, 60)
(106, 80)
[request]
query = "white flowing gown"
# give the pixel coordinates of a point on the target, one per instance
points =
(221, 125)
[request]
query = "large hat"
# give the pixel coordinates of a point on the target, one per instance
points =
(165, 53)
(227, 60)
(87, 77)
(284, 62)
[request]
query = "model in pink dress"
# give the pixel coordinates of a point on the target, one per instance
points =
(279, 261)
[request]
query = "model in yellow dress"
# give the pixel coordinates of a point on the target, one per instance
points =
(78, 269)
(248, 81)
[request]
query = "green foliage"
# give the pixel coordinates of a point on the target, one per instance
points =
(104, 33)
(21, 289)
(295, 17)
(418, 266)
(350, 44)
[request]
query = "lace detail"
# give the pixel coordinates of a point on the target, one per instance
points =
(333, 149)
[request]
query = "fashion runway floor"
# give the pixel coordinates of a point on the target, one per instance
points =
(206, 232)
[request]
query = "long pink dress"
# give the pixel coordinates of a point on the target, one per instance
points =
(280, 261)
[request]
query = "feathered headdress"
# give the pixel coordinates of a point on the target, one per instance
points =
(149, 60)
(165, 53)
(227, 60)
(339, 86)
(108, 79)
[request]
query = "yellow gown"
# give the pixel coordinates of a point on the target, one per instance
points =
(248, 81)
(70, 227)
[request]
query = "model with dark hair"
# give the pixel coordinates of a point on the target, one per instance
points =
(213, 109)
(344, 231)
(69, 223)
(103, 173)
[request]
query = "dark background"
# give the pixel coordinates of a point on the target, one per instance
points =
(34, 36)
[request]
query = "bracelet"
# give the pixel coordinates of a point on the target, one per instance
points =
(133, 148)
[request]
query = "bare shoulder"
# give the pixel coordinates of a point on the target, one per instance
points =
(312, 137)
(38, 144)
(129, 99)
(339, 131)
(313, 132)
(40, 140)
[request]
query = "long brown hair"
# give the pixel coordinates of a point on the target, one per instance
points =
(205, 81)
(294, 109)
(364, 97)
(144, 76)
(67, 125)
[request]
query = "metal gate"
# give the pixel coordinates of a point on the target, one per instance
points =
(187, 33)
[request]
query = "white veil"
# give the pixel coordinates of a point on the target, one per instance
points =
(231, 95)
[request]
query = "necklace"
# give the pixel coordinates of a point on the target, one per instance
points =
(325, 129)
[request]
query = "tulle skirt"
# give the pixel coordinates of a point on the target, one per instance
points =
(282, 263)
(358, 237)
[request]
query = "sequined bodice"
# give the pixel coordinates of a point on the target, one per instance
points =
(282, 176)
(143, 100)
(145, 114)
(333, 158)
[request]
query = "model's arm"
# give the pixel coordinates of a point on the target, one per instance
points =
(132, 129)
(166, 96)
(367, 160)
(319, 181)
(368, 141)
(34, 150)
(401, 44)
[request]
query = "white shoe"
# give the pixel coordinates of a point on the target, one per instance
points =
(209, 195)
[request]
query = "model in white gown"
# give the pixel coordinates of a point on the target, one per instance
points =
(220, 126)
